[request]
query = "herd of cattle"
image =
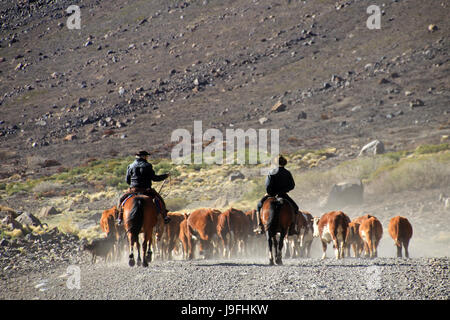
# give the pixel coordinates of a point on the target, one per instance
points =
(231, 233)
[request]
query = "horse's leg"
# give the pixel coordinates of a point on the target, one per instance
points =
(279, 260)
(270, 243)
(131, 261)
(144, 250)
(138, 248)
(149, 252)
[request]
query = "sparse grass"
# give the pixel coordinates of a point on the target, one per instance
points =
(432, 148)
(413, 173)
(175, 204)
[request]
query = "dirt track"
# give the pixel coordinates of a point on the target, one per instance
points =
(253, 279)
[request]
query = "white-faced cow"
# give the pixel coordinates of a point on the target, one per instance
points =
(332, 227)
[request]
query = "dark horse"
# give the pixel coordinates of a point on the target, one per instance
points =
(276, 215)
(140, 215)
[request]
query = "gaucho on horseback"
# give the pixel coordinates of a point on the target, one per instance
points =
(140, 175)
(279, 182)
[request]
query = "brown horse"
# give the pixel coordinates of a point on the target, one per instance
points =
(140, 215)
(276, 215)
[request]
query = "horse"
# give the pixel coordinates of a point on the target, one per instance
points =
(276, 215)
(140, 215)
(109, 227)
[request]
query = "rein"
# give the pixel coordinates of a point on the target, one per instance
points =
(170, 185)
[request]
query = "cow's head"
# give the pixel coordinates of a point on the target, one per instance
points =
(316, 227)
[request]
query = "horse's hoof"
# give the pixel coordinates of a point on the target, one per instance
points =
(131, 262)
(139, 262)
(279, 262)
(145, 264)
(271, 262)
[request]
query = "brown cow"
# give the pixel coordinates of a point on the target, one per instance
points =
(307, 237)
(360, 219)
(371, 231)
(183, 236)
(107, 221)
(251, 215)
(233, 229)
(255, 244)
(202, 223)
(353, 239)
(401, 231)
(171, 234)
(332, 227)
(353, 236)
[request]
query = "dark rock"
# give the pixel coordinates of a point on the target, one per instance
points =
(345, 193)
(236, 175)
(278, 107)
(416, 103)
(46, 211)
(50, 163)
(326, 85)
(301, 115)
(28, 219)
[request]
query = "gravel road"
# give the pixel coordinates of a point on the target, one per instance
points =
(253, 279)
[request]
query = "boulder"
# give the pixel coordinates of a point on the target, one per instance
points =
(372, 148)
(416, 103)
(432, 27)
(345, 193)
(236, 175)
(263, 120)
(11, 223)
(278, 107)
(47, 211)
(301, 115)
(28, 219)
(50, 163)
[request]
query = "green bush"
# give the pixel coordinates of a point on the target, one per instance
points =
(431, 148)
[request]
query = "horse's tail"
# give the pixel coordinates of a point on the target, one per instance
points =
(136, 217)
(274, 215)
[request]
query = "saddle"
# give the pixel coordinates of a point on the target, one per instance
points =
(146, 192)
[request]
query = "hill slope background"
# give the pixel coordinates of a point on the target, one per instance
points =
(77, 103)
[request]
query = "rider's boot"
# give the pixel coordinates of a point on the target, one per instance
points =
(260, 228)
(162, 209)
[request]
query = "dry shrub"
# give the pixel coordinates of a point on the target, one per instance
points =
(47, 186)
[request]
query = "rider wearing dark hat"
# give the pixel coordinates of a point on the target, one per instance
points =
(279, 182)
(140, 175)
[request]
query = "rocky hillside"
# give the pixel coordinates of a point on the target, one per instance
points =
(137, 70)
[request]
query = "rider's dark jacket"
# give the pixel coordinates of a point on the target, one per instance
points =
(279, 181)
(140, 174)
